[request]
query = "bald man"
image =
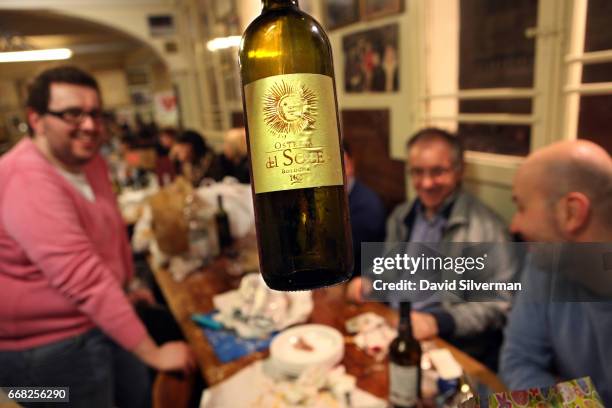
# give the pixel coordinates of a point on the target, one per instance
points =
(563, 194)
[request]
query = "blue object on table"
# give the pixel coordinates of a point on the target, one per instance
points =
(206, 320)
(226, 344)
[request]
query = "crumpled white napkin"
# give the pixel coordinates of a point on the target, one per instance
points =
(372, 334)
(255, 311)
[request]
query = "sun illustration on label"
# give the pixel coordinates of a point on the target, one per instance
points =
(289, 108)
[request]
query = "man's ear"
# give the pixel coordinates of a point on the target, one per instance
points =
(575, 211)
(349, 166)
(34, 120)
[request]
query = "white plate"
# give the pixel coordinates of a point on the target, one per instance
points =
(252, 387)
(324, 348)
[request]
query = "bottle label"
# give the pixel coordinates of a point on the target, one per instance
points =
(293, 132)
(403, 385)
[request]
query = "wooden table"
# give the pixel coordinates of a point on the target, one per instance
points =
(195, 293)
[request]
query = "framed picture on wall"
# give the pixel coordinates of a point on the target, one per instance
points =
(372, 9)
(371, 60)
(339, 13)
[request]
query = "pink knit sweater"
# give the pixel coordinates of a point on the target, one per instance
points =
(63, 259)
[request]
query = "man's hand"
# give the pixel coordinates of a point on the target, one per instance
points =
(424, 325)
(175, 356)
(171, 356)
(353, 291)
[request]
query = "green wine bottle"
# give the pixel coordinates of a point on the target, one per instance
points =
(404, 364)
(289, 98)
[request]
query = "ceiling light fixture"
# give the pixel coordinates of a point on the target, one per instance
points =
(36, 55)
(223, 42)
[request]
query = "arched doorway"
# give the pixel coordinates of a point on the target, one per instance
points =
(136, 72)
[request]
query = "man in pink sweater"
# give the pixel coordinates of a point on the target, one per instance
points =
(65, 319)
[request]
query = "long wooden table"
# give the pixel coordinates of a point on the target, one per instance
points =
(195, 293)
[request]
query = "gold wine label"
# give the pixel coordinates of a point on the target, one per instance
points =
(293, 132)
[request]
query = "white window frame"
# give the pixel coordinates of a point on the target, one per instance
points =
(215, 115)
(574, 60)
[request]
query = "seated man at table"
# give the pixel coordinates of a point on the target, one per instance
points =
(563, 194)
(366, 209)
(445, 212)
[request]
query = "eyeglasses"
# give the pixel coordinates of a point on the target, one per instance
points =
(75, 116)
(434, 172)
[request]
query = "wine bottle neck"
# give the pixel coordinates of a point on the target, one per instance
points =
(405, 329)
(405, 324)
(277, 4)
(220, 202)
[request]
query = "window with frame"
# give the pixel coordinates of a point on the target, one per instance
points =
(217, 68)
(594, 115)
(495, 53)
(489, 98)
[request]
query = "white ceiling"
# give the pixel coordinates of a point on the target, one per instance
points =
(95, 46)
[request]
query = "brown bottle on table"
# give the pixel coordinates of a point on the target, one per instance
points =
(289, 98)
(224, 235)
(404, 364)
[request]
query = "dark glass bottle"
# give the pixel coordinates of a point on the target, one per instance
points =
(224, 236)
(293, 132)
(404, 364)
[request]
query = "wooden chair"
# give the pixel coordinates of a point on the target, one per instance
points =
(175, 391)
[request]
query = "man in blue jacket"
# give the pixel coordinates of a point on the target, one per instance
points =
(563, 195)
(368, 215)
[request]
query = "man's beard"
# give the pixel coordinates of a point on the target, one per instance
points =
(65, 155)
(69, 159)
